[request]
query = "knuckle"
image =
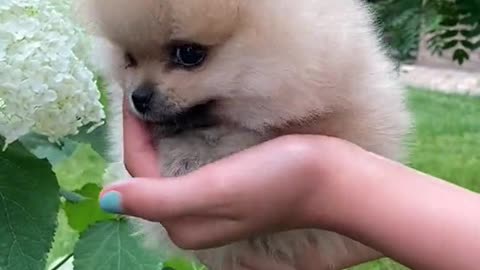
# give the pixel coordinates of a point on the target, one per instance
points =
(310, 154)
(297, 147)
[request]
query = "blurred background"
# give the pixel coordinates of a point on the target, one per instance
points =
(435, 42)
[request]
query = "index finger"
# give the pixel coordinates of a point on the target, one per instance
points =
(140, 156)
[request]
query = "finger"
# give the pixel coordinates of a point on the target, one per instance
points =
(220, 188)
(157, 200)
(213, 189)
(139, 152)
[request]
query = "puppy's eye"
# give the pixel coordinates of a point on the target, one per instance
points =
(130, 61)
(188, 55)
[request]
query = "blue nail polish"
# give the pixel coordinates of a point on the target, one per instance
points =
(111, 202)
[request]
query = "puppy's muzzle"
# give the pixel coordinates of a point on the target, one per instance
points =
(154, 106)
(142, 97)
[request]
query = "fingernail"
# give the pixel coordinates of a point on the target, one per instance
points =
(111, 202)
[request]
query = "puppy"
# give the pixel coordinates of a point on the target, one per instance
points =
(217, 76)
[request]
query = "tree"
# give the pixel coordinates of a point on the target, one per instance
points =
(448, 24)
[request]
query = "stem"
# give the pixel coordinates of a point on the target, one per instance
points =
(71, 196)
(60, 264)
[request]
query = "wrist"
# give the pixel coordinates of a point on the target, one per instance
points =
(340, 182)
(336, 189)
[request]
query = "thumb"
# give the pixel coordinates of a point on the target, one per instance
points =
(156, 199)
(139, 152)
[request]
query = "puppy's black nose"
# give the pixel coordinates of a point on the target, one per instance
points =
(142, 98)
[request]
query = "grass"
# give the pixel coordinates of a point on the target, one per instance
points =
(446, 144)
(447, 140)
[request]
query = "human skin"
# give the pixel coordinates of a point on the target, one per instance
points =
(306, 181)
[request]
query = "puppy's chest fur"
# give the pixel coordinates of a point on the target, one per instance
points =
(189, 150)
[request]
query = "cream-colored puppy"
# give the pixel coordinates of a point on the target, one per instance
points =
(218, 76)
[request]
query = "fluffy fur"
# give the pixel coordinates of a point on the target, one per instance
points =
(275, 67)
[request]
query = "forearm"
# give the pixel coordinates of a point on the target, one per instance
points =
(421, 221)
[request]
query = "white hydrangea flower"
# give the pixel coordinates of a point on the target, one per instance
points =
(46, 85)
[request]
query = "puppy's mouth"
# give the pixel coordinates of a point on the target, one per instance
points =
(199, 116)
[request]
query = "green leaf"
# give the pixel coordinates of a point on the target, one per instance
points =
(476, 45)
(87, 212)
(181, 264)
(96, 138)
(42, 148)
(460, 56)
(178, 264)
(449, 34)
(29, 203)
(449, 21)
(110, 246)
(83, 167)
(64, 241)
(467, 44)
(472, 33)
(450, 44)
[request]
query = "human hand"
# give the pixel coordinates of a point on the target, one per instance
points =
(276, 186)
